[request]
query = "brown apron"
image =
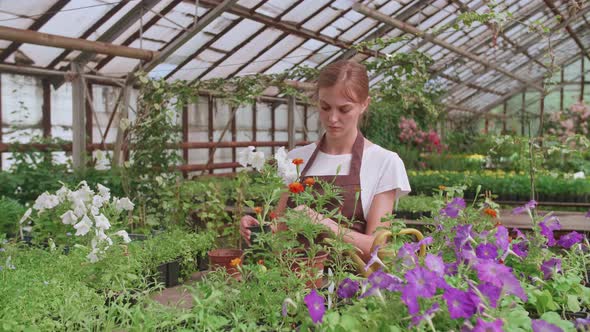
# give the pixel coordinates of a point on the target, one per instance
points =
(350, 184)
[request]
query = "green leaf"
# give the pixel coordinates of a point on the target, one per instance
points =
(572, 303)
(554, 318)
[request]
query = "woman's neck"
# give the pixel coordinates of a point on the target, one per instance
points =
(342, 145)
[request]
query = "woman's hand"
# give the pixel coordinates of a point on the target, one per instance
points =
(315, 217)
(245, 222)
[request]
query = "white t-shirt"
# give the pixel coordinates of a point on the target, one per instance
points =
(381, 170)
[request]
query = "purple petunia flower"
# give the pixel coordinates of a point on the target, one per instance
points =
(519, 234)
(453, 208)
(491, 292)
(527, 207)
(408, 296)
(483, 326)
(540, 325)
(315, 306)
(416, 320)
(466, 254)
(460, 303)
(423, 281)
(383, 280)
(451, 268)
(348, 288)
(486, 251)
(548, 225)
(502, 240)
(568, 240)
(435, 264)
(588, 214)
(2, 250)
(582, 324)
(374, 259)
(407, 255)
(500, 276)
(551, 267)
(463, 235)
(521, 249)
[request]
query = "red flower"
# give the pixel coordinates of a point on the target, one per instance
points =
(296, 188)
(491, 212)
(309, 182)
(272, 215)
(297, 161)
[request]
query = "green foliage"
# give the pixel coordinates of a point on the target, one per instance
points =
(10, 213)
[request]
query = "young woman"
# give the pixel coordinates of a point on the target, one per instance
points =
(343, 97)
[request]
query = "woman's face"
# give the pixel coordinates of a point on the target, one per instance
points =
(339, 115)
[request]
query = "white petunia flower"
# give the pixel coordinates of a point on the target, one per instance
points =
(104, 192)
(69, 218)
(124, 204)
(83, 227)
(102, 222)
(92, 256)
(83, 194)
(101, 236)
(579, 175)
(124, 235)
(26, 216)
(244, 156)
(63, 193)
(79, 209)
(258, 160)
(46, 201)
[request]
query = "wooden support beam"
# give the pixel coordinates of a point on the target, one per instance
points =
(569, 29)
(505, 113)
(254, 121)
(272, 124)
(123, 113)
(412, 30)
(1, 123)
(185, 132)
(234, 134)
(541, 116)
(522, 111)
(291, 122)
(88, 109)
(46, 108)
(187, 35)
(42, 72)
(78, 119)
(305, 128)
(561, 89)
(36, 25)
(45, 39)
(582, 80)
(210, 129)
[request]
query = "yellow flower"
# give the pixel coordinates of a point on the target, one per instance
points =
(235, 262)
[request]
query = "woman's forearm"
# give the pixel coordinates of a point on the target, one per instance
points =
(361, 241)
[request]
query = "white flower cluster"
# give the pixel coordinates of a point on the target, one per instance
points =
(287, 170)
(249, 157)
(85, 214)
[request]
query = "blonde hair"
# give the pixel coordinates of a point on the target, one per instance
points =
(352, 75)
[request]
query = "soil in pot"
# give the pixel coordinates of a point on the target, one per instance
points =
(313, 266)
(222, 258)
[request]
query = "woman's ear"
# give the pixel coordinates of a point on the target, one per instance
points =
(366, 104)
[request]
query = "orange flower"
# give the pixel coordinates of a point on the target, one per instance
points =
(296, 188)
(309, 182)
(491, 212)
(235, 262)
(272, 215)
(258, 210)
(297, 161)
(441, 187)
(261, 262)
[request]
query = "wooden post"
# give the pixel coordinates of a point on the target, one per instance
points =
(89, 113)
(185, 136)
(504, 120)
(254, 124)
(210, 129)
(78, 119)
(541, 117)
(486, 125)
(582, 80)
(305, 128)
(233, 137)
(522, 113)
(291, 122)
(46, 108)
(272, 125)
(117, 158)
(561, 90)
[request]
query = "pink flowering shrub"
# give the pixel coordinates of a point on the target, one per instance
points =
(411, 134)
(570, 122)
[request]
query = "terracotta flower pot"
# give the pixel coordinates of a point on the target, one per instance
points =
(314, 266)
(222, 258)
